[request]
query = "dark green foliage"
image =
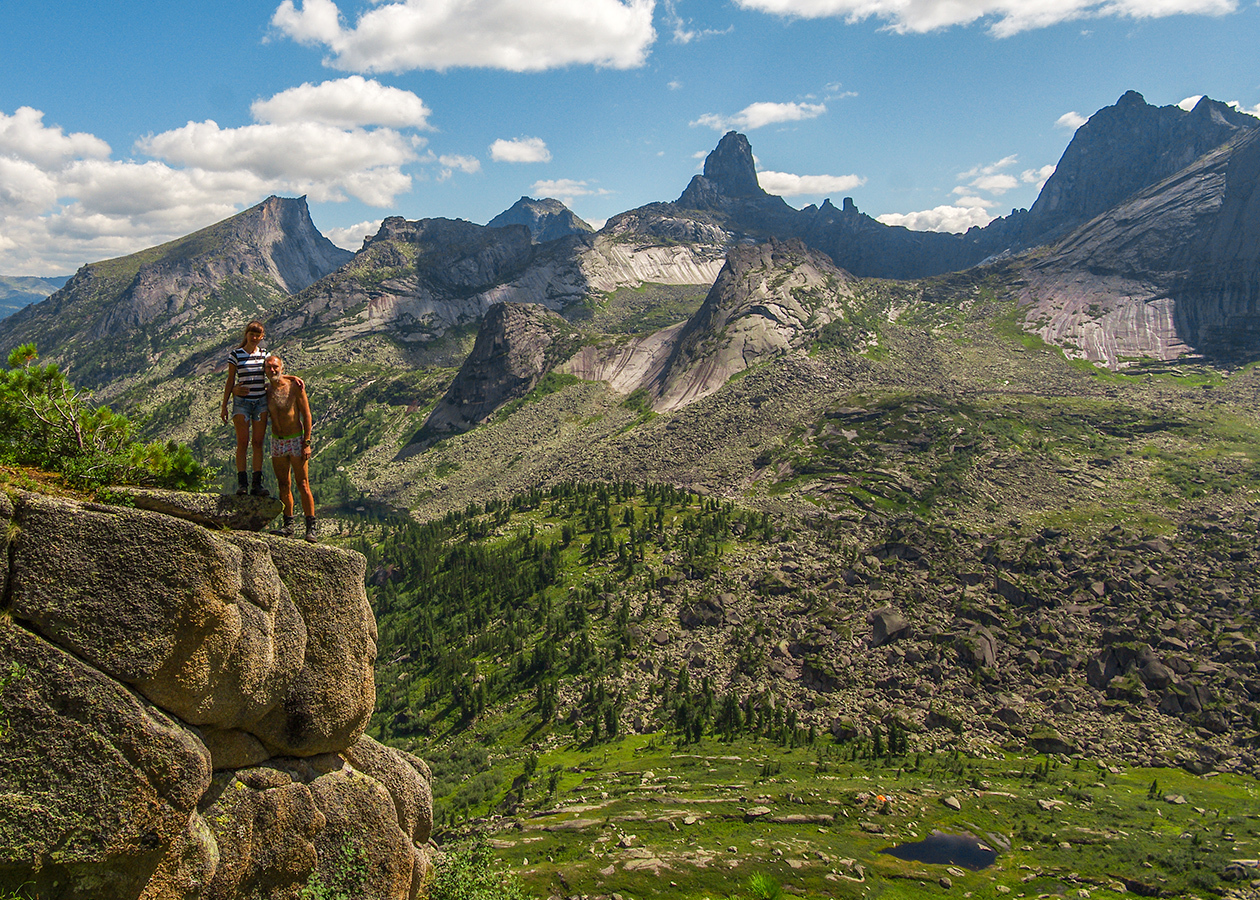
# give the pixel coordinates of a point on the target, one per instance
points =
(46, 422)
(509, 604)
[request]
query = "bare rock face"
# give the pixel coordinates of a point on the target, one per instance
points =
(517, 344)
(96, 781)
(766, 302)
(240, 513)
(143, 653)
(1123, 149)
(1173, 271)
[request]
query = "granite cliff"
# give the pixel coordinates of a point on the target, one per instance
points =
(1173, 271)
(184, 712)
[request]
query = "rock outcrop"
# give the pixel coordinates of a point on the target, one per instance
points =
(183, 714)
(768, 300)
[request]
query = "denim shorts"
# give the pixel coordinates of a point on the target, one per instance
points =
(252, 408)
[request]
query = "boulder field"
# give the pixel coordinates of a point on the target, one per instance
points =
(182, 712)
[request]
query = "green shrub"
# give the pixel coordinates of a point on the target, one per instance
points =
(469, 873)
(46, 422)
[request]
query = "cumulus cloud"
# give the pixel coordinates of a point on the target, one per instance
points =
(1003, 17)
(346, 103)
(520, 150)
(942, 218)
(1039, 177)
(453, 163)
(25, 136)
(353, 236)
(1190, 102)
(1070, 120)
(758, 115)
(565, 190)
(406, 35)
(787, 185)
(975, 195)
(65, 201)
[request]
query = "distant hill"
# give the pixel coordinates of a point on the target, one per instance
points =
(546, 219)
(17, 291)
(121, 317)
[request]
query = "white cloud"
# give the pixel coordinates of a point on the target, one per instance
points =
(352, 237)
(469, 165)
(1070, 120)
(942, 218)
(65, 201)
(758, 115)
(1038, 177)
(1190, 102)
(303, 157)
(565, 190)
(1004, 163)
(995, 184)
(520, 150)
(25, 136)
(683, 34)
(1004, 17)
(404, 35)
(787, 185)
(346, 103)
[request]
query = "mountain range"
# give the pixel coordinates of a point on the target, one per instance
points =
(1147, 226)
(995, 490)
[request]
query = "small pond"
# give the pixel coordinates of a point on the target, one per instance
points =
(947, 850)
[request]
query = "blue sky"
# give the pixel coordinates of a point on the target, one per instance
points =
(123, 125)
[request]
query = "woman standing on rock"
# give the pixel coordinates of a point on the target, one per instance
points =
(247, 386)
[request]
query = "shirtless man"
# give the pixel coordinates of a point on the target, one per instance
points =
(290, 414)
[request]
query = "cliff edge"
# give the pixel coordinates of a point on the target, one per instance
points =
(182, 714)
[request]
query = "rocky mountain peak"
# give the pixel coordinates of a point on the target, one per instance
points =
(238, 268)
(730, 166)
(1121, 150)
(729, 174)
(546, 219)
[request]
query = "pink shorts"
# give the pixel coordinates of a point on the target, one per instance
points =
(289, 446)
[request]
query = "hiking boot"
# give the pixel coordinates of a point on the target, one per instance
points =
(310, 530)
(285, 530)
(258, 490)
(242, 484)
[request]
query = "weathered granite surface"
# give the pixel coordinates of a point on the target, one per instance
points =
(183, 710)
